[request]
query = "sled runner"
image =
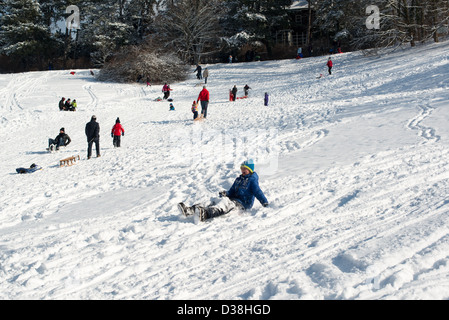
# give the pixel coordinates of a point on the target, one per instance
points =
(244, 97)
(68, 161)
(33, 168)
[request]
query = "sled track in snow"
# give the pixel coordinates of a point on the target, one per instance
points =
(93, 98)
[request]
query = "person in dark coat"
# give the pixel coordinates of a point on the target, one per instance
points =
(62, 139)
(246, 89)
(68, 105)
(234, 93)
(93, 135)
(61, 104)
(198, 71)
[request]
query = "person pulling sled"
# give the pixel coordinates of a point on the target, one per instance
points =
(239, 197)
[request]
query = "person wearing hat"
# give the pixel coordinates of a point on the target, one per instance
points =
(62, 139)
(195, 109)
(116, 132)
(240, 196)
(92, 131)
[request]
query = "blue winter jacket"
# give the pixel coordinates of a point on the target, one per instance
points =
(245, 189)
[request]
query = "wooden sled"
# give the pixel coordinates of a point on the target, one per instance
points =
(68, 161)
(199, 118)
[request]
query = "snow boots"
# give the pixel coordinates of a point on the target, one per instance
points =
(186, 211)
(199, 212)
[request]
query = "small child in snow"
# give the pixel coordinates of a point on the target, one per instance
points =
(116, 132)
(195, 110)
(172, 108)
(240, 196)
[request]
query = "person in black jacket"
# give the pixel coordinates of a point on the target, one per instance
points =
(61, 104)
(62, 139)
(93, 135)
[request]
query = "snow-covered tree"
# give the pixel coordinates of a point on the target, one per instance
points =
(250, 21)
(23, 34)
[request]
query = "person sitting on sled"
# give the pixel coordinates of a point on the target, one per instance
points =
(62, 139)
(239, 197)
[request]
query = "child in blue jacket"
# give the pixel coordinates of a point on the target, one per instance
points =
(240, 196)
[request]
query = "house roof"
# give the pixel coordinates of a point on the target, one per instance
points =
(299, 4)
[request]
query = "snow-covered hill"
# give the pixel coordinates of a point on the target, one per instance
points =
(355, 166)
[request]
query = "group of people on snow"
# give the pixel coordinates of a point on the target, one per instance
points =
(67, 105)
(200, 75)
(92, 131)
(233, 92)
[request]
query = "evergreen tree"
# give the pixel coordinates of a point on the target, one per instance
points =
(24, 35)
(256, 21)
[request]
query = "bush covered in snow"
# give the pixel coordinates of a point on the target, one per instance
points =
(134, 63)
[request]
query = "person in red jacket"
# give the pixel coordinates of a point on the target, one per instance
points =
(329, 65)
(204, 98)
(116, 132)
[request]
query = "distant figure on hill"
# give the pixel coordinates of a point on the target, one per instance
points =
(198, 71)
(205, 75)
(329, 65)
(116, 133)
(234, 93)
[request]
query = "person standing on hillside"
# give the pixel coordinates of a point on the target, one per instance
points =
(329, 65)
(204, 98)
(239, 197)
(116, 132)
(166, 90)
(234, 93)
(93, 135)
(246, 89)
(198, 72)
(205, 75)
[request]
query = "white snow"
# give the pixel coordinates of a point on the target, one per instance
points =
(355, 166)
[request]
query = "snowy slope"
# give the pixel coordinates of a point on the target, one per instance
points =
(355, 166)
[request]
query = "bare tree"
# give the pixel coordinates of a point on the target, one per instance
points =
(191, 28)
